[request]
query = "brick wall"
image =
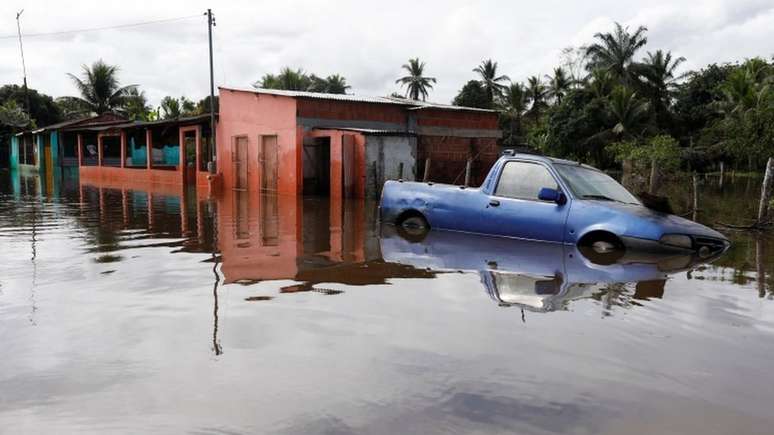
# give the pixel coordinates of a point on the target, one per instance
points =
(449, 154)
(457, 119)
(351, 111)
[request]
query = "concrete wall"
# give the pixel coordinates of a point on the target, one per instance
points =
(254, 115)
(384, 155)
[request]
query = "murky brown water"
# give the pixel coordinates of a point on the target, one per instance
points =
(156, 312)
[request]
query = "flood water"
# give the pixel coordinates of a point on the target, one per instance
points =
(155, 311)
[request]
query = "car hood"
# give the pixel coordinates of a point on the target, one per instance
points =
(631, 220)
(668, 223)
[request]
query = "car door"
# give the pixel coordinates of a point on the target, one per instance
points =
(514, 209)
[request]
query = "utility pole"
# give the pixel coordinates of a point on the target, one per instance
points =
(24, 66)
(213, 156)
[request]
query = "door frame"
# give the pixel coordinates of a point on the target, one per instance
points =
(197, 129)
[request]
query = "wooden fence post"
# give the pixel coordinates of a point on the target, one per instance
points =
(768, 180)
(467, 172)
(653, 177)
(695, 196)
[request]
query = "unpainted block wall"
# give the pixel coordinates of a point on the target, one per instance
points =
(384, 155)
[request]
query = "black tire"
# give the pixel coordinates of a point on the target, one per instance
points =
(413, 227)
(602, 248)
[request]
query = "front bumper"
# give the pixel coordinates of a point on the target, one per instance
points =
(704, 247)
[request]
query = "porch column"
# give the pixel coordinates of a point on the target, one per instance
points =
(123, 149)
(336, 166)
(148, 149)
(99, 149)
(198, 151)
(80, 149)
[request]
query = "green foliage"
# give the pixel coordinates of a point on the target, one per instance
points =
(136, 106)
(297, 80)
(173, 108)
(416, 83)
(473, 94)
(100, 91)
(573, 127)
(43, 110)
(12, 115)
(513, 106)
(614, 52)
(661, 150)
(493, 84)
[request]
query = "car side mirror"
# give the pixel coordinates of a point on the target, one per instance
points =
(553, 195)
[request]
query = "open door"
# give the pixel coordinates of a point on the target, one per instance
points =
(190, 141)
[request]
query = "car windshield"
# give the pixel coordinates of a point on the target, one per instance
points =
(587, 183)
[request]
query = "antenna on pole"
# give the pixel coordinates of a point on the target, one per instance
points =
(24, 65)
(213, 155)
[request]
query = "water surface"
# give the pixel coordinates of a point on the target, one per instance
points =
(155, 311)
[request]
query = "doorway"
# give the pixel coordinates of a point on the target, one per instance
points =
(239, 156)
(190, 154)
(317, 166)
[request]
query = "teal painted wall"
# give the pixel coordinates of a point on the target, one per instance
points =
(55, 149)
(14, 152)
(41, 153)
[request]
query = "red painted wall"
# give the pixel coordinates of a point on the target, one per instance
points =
(255, 115)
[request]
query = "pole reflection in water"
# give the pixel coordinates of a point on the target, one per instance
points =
(156, 303)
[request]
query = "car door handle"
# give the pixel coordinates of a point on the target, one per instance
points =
(494, 203)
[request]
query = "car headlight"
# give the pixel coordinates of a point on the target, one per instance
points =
(678, 240)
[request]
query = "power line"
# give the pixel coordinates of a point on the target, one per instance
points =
(96, 29)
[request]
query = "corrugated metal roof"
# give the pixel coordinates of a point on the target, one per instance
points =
(411, 104)
(370, 131)
(320, 96)
(137, 124)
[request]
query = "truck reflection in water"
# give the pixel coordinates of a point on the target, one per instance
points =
(536, 276)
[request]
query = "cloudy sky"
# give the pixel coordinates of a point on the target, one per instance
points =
(366, 41)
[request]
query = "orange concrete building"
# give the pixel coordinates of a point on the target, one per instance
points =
(336, 145)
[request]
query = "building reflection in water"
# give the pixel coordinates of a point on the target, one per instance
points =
(254, 237)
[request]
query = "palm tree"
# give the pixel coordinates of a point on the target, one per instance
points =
(100, 90)
(614, 52)
(558, 85)
(12, 115)
(417, 85)
(336, 84)
(536, 93)
(627, 111)
(170, 108)
(658, 71)
(493, 84)
(600, 83)
(515, 102)
(136, 107)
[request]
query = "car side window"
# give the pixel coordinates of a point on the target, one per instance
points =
(524, 180)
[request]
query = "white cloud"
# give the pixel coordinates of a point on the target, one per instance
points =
(365, 41)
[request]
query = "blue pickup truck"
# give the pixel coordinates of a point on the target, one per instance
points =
(533, 197)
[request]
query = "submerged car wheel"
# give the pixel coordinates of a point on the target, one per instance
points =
(601, 247)
(413, 227)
